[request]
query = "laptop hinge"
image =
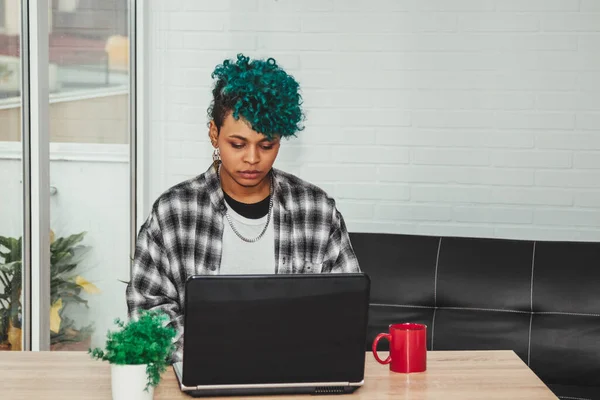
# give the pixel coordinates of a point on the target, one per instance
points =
(275, 385)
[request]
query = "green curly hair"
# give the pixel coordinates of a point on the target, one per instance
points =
(260, 92)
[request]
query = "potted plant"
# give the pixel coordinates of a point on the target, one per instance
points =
(65, 289)
(138, 353)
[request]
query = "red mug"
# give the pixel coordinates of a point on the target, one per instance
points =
(408, 347)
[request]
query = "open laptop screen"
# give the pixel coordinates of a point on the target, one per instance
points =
(275, 329)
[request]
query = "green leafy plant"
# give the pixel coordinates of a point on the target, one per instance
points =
(147, 341)
(66, 285)
(10, 279)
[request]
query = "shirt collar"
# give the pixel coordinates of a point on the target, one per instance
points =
(217, 199)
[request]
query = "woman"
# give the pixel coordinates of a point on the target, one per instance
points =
(241, 216)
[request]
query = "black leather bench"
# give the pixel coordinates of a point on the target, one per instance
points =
(540, 299)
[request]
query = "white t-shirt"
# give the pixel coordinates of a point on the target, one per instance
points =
(240, 257)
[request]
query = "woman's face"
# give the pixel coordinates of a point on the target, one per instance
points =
(246, 155)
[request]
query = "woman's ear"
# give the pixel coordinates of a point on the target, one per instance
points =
(213, 133)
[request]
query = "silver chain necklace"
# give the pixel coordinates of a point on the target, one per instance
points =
(234, 229)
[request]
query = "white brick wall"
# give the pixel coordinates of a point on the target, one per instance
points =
(443, 117)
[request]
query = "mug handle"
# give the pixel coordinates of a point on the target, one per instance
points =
(374, 348)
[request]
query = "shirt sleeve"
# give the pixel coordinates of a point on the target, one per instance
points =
(339, 255)
(151, 286)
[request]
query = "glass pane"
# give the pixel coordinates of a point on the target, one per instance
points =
(11, 177)
(89, 169)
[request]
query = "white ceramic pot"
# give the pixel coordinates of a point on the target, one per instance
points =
(128, 382)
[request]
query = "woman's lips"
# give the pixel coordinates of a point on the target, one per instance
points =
(249, 174)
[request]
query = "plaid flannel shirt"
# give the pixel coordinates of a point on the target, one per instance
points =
(183, 237)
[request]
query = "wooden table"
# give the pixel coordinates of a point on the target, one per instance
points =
(450, 375)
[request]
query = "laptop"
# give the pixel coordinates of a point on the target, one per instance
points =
(274, 334)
